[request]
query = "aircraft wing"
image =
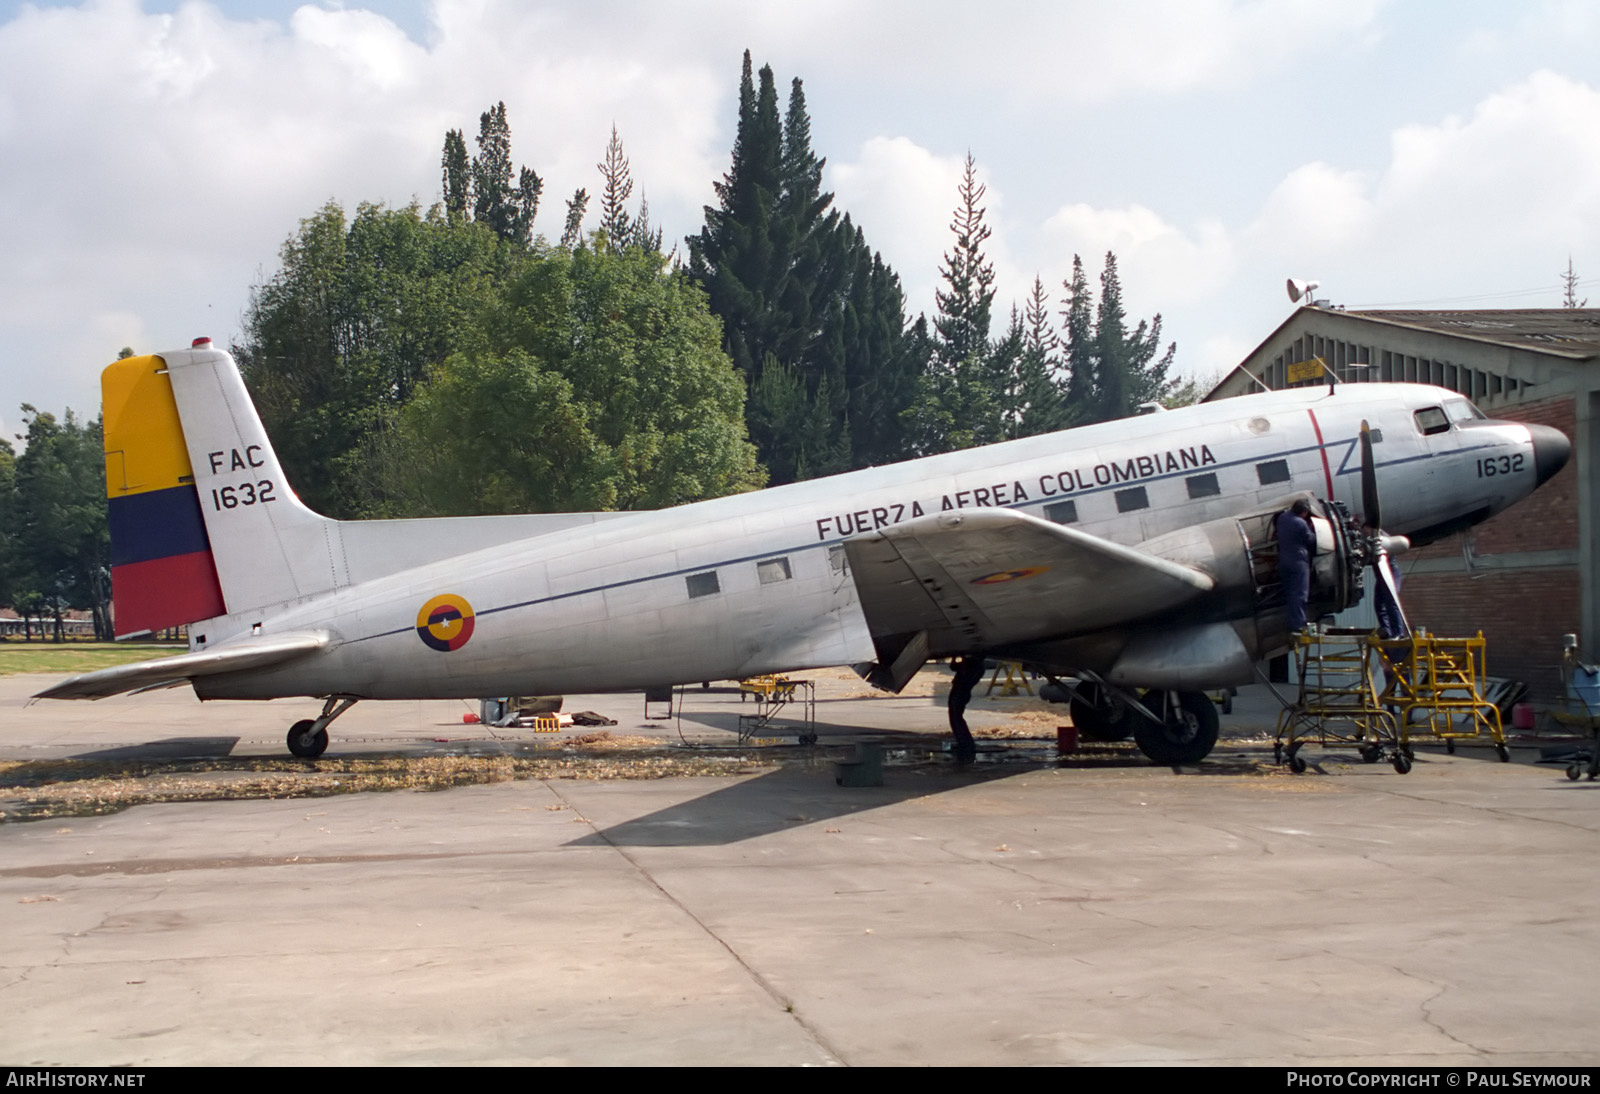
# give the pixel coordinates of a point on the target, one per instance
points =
(978, 579)
(247, 653)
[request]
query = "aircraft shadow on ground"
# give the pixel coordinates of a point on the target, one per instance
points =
(775, 802)
(168, 748)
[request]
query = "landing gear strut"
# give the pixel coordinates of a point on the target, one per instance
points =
(308, 739)
(1101, 715)
(969, 670)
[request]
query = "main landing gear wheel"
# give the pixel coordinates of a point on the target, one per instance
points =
(305, 743)
(1188, 734)
(1101, 715)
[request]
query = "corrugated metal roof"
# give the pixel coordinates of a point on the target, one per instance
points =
(1568, 331)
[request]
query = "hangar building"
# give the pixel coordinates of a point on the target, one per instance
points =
(1529, 575)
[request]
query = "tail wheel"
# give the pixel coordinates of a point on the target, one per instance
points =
(1101, 715)
(1188, 734)
(306, 744)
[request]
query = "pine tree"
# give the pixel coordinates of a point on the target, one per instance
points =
(645, 237)
(1040, 406)
(961, 396)
(965, 305)
(614, 219)
(507, 209)
(731, 258)
(1110, 338)
(1080, 355)
(573, 232)
(1111, 372)
(797, 286)
(457, 176)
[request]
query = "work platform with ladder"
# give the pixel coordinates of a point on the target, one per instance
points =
(1376, 694)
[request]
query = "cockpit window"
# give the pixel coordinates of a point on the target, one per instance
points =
(1460, 410)
(1431, 420)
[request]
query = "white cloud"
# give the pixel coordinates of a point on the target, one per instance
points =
(156, 162)
(1464, 206)
(903, 195)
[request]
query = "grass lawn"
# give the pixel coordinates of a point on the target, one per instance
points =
(19, 656)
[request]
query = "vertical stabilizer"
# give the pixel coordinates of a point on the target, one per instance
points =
(267, 546)
(162, 573)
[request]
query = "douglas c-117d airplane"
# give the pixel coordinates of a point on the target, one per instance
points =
(1132, 562)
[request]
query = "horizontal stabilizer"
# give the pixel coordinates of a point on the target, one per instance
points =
(247, 653)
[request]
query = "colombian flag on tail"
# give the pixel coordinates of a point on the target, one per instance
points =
(162, 572)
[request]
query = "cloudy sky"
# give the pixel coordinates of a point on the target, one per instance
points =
(156, 154)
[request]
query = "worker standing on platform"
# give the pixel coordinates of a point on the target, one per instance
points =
(1297, 542)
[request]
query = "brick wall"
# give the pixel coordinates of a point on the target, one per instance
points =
(1523, 614)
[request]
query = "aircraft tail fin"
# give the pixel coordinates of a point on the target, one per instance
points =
(203, 522)
(162, 571)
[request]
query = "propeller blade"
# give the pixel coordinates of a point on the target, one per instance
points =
(1370, 508)
(1381, 565)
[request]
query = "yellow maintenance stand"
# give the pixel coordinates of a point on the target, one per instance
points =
(1339, 701)
(1435, 688)
(1375, 693)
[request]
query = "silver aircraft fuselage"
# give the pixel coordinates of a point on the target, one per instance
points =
(758, 583)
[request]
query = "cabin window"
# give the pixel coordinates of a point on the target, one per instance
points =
(1376, 434)
(1062, 512)
(1203, 486)
(703, 584)
(773, 570)
(1129, 500)
(1431, 420)
(838, 561)
(1272, 471)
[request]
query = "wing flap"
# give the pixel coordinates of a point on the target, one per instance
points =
(247, 653)
(979, 579)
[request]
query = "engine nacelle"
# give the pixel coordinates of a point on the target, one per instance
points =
(1245, 620)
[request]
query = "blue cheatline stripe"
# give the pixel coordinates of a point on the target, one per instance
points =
(1349, 444)
(156, 524)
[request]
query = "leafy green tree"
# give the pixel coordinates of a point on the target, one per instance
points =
(11, 561)
(358, 315)
(62, 546)
(605, 387)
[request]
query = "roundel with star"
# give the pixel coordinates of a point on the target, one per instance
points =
(445, 623)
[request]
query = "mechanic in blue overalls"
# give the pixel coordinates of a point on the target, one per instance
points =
(1296, 544)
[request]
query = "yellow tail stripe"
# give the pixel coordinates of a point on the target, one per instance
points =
(143, 436)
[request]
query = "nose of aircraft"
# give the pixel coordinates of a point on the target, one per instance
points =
(1550, 450)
